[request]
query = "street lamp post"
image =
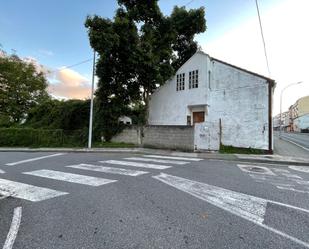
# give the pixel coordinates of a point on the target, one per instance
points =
(91, 104)
(292, 84)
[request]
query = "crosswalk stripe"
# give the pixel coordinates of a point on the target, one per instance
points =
(69, 177)
(176, 158)
(26, 191)
(110, 170)
(155, 160)
(2, 171)
(135, 164)
(34, 159)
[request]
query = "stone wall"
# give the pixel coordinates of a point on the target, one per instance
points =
(158, 136)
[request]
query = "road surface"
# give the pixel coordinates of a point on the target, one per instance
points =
(100, 200)
(292, 144)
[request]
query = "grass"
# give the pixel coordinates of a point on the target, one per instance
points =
(113, 145)
(227, 149)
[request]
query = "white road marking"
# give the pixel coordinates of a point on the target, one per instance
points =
(292, 189)
(2, 171)
(245, 206)
(134, 164)
(156, 160)
(176, 158)
(300, 168)
(34, 159)
(247, 167)
(281, 170)
(69, 177)
(110, 170)
(26, 191)
(289, 175)
(288, 140)
(10, 239)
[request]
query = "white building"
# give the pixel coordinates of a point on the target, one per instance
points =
(227, 104)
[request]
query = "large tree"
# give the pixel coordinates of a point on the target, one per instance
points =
(139, 50)
(21, 88)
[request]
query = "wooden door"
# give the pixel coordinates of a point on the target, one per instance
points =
(198, 117)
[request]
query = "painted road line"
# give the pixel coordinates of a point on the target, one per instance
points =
(245, 206)
(135, 164)
(34, 159)
(292, 142)
(174, 157)
(300, 168)
(26, 191)
(293, 189)
(143, 159)
(109, 170)
(254, 169)
(10, 239)
(69, 177)
(2, 171)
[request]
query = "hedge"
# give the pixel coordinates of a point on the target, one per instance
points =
(29, 137)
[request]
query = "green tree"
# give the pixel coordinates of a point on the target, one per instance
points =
(21, 88)
(55, 114)
(138, 51)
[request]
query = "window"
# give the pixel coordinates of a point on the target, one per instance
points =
(193, 79)
(180, 84)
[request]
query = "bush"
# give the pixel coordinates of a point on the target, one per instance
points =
(236, 150)
(29, 137)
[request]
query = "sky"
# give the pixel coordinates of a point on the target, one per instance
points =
(52, 33)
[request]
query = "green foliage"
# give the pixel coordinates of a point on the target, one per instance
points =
(55, 114)
(138, 51)
(28, 137)
(228, 149)
(21, 88)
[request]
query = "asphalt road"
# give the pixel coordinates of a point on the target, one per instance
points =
(299, 138)
(160, 203)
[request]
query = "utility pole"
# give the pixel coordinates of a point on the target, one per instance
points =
(292, 84)
(91, 104)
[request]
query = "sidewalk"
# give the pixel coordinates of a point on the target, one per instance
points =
(270, 159)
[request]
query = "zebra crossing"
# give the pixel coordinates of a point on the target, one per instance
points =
(136, 166)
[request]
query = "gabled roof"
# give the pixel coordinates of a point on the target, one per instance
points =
(271, 81)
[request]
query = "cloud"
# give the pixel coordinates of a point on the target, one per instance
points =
(287, 46)
(69, 84)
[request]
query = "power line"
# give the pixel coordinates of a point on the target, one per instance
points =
(262, 34)
(73, 65)
(189, 2)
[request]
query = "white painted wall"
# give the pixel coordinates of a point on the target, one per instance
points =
(170, 107)
(238, 98)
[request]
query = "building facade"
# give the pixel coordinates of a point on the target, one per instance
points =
(227, 105)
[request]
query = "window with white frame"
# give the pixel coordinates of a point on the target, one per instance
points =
(193, 79)
(180, 82)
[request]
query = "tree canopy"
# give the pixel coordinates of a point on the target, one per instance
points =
(138, 51)
(21, 88)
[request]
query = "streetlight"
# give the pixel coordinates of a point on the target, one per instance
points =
(91, 104)
(292, 84)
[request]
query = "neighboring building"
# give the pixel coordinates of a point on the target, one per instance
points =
(300, 115)
(228, 105)
(276, 122)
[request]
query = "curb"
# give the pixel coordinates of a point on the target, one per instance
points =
(212, 156)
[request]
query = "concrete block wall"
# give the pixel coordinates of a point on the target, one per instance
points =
(169, 137)
(159, 136)
(131, 135)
